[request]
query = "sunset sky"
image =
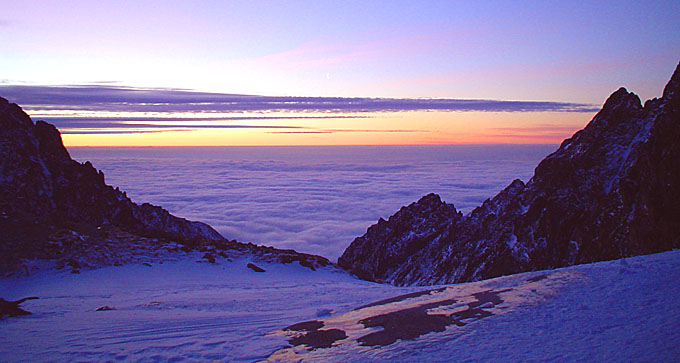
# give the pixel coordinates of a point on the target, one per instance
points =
(568, 55)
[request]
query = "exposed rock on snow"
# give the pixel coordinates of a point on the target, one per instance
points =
(412, 316)
(254, 267)
(318, 338)
(52, 207)
(11, 308)
(611, 190)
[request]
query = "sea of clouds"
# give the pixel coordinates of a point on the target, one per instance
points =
(311, 199)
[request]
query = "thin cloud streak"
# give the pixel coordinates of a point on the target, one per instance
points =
(537, 132)
(129, 99)
(334, 131)
(538, 129)
(366, 130)
(113, 132)
(209, 119)
(301, 132)
(87, 123)
(140, 129)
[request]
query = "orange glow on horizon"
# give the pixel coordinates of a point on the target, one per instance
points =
(393, 128)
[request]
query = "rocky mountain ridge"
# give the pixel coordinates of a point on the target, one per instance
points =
(52, 207)
(611, 190)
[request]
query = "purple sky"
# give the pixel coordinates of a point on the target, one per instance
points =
(484, 53)
(536, 50)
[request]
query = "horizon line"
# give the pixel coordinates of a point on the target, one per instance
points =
(319, 145)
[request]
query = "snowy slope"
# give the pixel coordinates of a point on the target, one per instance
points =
(624, 310)
(173, 311)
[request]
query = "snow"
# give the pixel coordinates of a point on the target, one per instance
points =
(173, 311)
(524, 208)
(511, 241)
(622, 157)
(624, 310)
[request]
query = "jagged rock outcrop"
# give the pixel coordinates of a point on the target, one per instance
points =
(54, 207)
(611, 190)
(407, 232)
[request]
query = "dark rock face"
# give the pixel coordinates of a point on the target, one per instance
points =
(611, 190)
(48, 200)
(319, 338)
(408, 231)
(11, 308)
(40, 183)
(312, 336)
(255, 267)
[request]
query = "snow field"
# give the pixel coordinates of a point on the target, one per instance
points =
(624, 310)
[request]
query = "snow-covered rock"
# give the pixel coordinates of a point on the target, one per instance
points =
(611, 190)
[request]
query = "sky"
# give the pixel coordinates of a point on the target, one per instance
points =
(547, 51)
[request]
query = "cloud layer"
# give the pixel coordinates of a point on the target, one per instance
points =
(128, 99)
(312, 199)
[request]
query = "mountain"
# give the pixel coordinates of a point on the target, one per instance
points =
(611, 190)
(53, 207)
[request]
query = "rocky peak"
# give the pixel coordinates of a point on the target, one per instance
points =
(394, 240)
(619, 107)
(673, 87)
(611, 190)
(50, 145)
(47, 198)
(621, 98)
(11, 115)
(42, 189)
